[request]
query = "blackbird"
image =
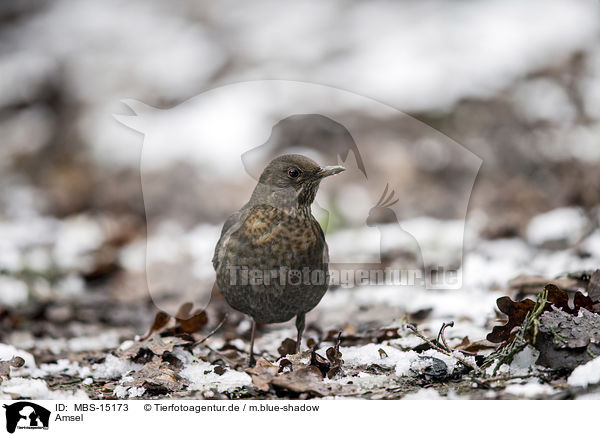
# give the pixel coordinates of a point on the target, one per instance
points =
(272, 259)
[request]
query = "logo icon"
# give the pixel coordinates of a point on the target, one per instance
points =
(26, 415)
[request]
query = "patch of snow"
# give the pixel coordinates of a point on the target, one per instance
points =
(493, 263)
(524, 361)
(72, 285)
(113, 367)
(200, 243)
(106, 340)
(409, 341)
(13, 292)
(10, 256)
(126, 344)
(132, 257)
(7, 352)
(36, 389)
(125, 392)
(424, 394)
(37, 259)
(76, 238)
(405, 363)
(54, 345)
(585, 375)
(503, 369)
(531, 389)
(564, 224)
(589, 396)
(543, 99)
(199, 381)
(363, 380)
(474, 303)
(440, 241)
(368, 354)
(592, 244)
(62, 366)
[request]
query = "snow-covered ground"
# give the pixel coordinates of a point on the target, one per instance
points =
(488, 266)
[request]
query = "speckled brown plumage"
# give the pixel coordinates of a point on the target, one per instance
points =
(272, 258)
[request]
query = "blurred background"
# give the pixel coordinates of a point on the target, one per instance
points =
(516, 83)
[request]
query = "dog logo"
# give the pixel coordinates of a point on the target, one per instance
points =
(26, 415)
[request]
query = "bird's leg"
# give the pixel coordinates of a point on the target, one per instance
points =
(251, 360)
(300, 327)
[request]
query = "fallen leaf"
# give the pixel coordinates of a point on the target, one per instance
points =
(308, 379)
(288, 346)
(157, 378)
(469, 347)
(184, 311)
(335, 357)
(5, 365)
(155, 345)
(160, 320)
(194, 323)
(517, 310)
(262, 374)
(319, 362)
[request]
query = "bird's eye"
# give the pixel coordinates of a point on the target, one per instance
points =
(293, 173)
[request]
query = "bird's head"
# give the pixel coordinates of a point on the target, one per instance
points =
(294, 178)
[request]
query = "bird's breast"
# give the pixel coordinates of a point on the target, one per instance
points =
(281, 229)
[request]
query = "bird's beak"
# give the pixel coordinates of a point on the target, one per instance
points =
(329, 171)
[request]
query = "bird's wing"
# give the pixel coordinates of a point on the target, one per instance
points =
(322, 235)
(231, 225)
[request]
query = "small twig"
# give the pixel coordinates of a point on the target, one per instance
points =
(417, 333)
(443, 351)
(441, 335)
(543, 374)
(212, 332)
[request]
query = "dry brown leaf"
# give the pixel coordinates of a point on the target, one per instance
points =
(195, 323)
(157, 378)
(262, 373)
(308, 379)
(160, 320)
(5, 365)
(517, 310)
(155, 345)
(474, 347)
(288, 346)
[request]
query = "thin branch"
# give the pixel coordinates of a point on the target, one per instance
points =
(542, 374)
(441, 350)
(441, 335)
(212, 332)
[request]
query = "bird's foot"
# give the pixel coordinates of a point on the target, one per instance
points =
(251, 361)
